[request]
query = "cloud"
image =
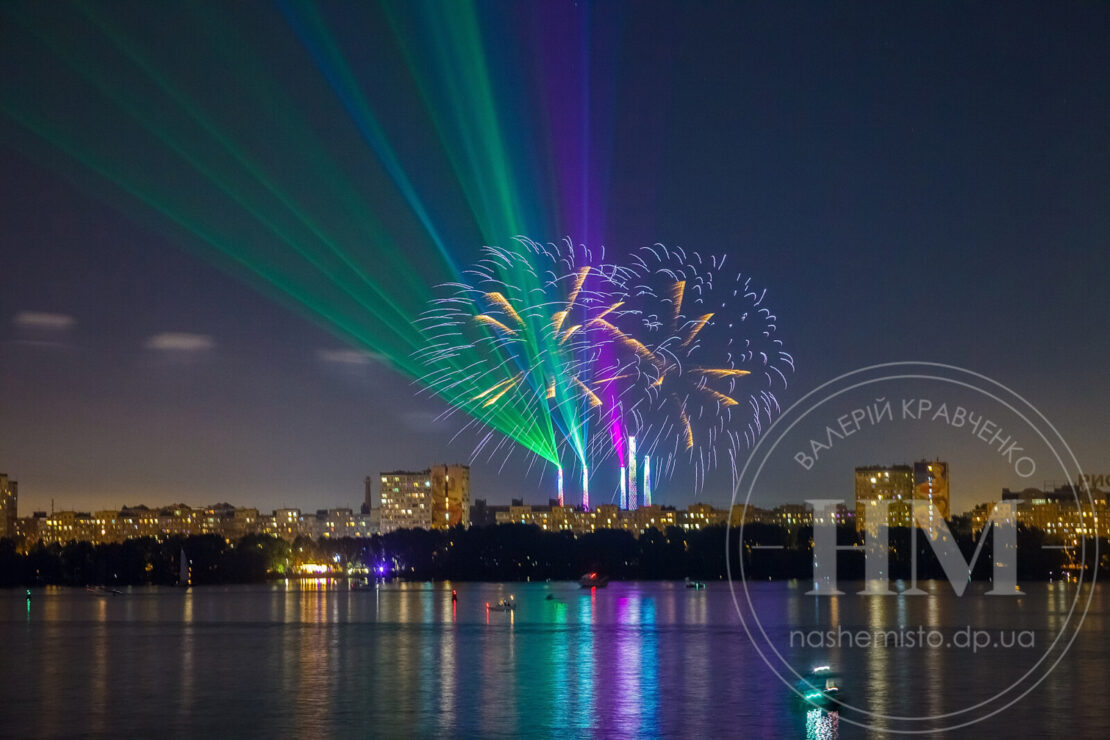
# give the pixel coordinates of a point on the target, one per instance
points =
(171, 341)
(422, 421)
(346, 356)
(43, 320)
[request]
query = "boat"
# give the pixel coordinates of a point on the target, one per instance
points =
(696, 585)
(98, 590)
(593, 580)
(820, 688)
(363, 584)
(505, 605)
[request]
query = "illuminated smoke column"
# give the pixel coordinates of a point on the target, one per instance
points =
(632, 503)
(647, 480)
(624, 490)
(585, 488)
(559, 484)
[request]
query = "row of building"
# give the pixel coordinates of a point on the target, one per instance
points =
(552, 517)
(1055, 512)
(439, 498)
(232, 522)
(225, 520)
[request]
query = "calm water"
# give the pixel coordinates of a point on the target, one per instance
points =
(633, 659)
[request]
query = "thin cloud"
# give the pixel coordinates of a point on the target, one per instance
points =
(345, 356)
(180, 342)
(43, 320)
(422, 421)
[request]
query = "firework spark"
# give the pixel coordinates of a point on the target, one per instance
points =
(702, 347)
(669, 348)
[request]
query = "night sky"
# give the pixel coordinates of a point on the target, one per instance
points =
(910, 181)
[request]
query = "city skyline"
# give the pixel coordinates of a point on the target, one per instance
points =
(606, 480)
(133, 368)
(387, 494)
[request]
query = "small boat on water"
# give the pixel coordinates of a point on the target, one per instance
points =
(363, 584)
(821, 688)
(593, 580)
(696, 585)
(98, 590)
(505, 605)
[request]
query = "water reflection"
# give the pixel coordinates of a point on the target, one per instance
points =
(560, 661)
(878, 669)
(188, 671)
(649, 645)
(447, 666)
(584, 691)
(314, 658)
(626, 704)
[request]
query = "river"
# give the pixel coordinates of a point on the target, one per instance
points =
(314, 659)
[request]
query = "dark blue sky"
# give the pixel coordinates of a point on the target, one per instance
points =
(911, 181)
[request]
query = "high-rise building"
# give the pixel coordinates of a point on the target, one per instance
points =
(9, 501)
(450, 496)
(406, 500)
(930, 483)
(436, 498)
(877, 483)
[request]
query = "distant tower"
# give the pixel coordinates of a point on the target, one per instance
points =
(368, 495)
(632, 502)
(585, 487)
(624, 490)
(647, 481)
(559, 484)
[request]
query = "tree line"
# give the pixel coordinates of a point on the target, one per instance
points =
(504, 552)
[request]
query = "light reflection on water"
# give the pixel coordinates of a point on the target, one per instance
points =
(631, 660)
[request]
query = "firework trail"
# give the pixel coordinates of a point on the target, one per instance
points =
(526, 311)
(698, 348)
(670, 347)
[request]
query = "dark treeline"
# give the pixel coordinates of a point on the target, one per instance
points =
(504, 552)
(795, 560)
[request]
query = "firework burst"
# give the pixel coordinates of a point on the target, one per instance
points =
(671, 348)
(701, 347)
(526, 312)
